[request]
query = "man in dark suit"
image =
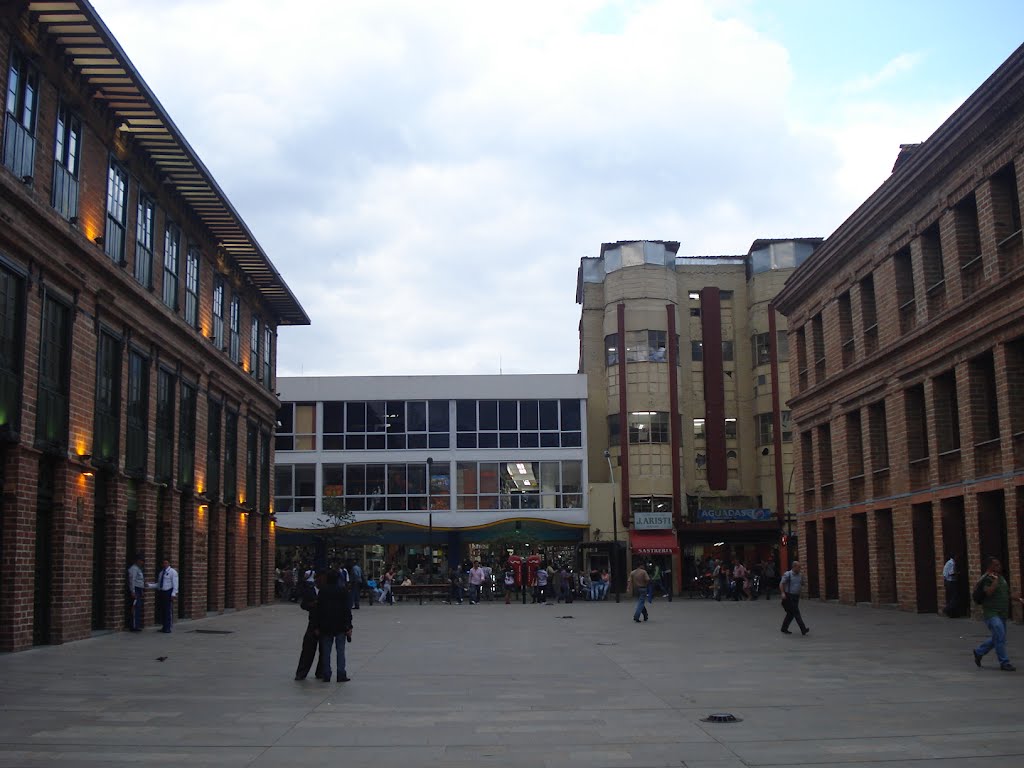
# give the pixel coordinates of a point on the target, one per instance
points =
(311, 638)
(334, 620)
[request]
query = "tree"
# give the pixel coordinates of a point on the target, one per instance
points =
(332, 522)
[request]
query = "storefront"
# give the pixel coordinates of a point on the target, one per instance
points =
(653, 542)
(750, 536)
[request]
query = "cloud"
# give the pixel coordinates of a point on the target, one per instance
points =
(426, 176)
(892, 69)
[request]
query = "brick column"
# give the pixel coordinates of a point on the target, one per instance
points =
(18, 507)
(117, 556)
(844, 554)
(903, 536)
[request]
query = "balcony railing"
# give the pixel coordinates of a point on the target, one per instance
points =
(972, 275)
(937, 297)
(987, 458)
(949, 467)
(856, 488)
(65, 191)
(920, 471)
(1011, 252)
(880, 482)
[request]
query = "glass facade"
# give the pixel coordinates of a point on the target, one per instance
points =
(518, 484)
(518, 424)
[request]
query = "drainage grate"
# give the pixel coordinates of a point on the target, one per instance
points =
(721, 717)
(212, 631)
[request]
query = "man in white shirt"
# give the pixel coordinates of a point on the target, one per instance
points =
(949, 580)
(476, 580)
(166, 592)
(136, 585)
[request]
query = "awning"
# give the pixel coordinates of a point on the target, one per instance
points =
(653, 542)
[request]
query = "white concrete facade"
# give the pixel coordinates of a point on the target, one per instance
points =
(524, 390)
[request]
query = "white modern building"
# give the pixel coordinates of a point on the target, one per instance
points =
(431, 465)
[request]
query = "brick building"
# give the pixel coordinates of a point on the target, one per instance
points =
(137, 346)
(908, 330)
(678, 356)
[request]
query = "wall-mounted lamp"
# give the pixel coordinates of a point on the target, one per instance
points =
(203, 507)
(73, 221)
(85, 457)
(27, 179)
(98, 240)
(87, 473)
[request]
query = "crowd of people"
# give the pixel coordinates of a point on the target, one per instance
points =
(722, 579)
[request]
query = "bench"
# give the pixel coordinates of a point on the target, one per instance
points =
(429, 591)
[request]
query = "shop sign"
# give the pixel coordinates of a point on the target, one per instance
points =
(652, 521)
(729, 515)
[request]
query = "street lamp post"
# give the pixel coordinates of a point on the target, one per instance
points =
(430, 526)
(615, 529)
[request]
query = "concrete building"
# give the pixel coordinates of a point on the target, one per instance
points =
(908, 329)
(677, 352)
(137, 346)
(411, 470)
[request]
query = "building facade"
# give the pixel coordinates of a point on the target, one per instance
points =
(426, 471)
(138, 329)
(908, 331)
(678, 355)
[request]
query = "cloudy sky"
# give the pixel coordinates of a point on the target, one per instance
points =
(427, 175)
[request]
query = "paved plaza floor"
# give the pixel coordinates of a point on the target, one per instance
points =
(556, 685)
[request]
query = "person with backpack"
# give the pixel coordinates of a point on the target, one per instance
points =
(992, 593)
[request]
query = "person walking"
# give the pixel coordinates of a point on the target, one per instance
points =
(540, 594)
(949, 577)
(510, 583)
(638, 581)
(334, 623)
(356, 585)
(136, 590)
(476, 581)
(311, 637)
(167, 591)
(790, 586)
(995, 604)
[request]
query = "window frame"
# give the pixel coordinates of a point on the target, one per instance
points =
(115, 235)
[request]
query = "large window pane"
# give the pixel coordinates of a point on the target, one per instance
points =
(488, 415)
(549, 414)
(570, 415)
(438, 413)
(465, 416)
(416, 414)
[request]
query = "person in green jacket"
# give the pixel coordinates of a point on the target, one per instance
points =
(996, 608)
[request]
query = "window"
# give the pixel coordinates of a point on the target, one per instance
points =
(730, 429)
(296, 429)
(613, 429)
(1007, 219)
(611, 349)
(108, 399)
(968, 245)
(518, 423)
(145, 226)
(934, 269)
(801, 356)
(648, 427)
(947, 412)
(698, 429)
(646, 346)
(117, 213)
(727, 351)
(231, 457)
(846, 328)
(725, 295)
(519, 484)
(137, 433)
(218, 312)
(192, 287)
(54, 376)
(12, 348)
(234, 330)
(165, 386)
(760, 349)
(254, 348)
(879, 435)
(766, 429)
(395, 424)
(916, 416)
(172, 238)
(295, 487)
(187, 437)
(869, 314)
(20, 117)
(903, 266)
(66, 159)
(818, 340)
(251, 462)
(782, 340)
(696, 351)
(264, 472)
(854, 445)
(213, 430)
(268, 341)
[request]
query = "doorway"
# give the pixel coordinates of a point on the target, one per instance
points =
(861, 558)
(42, 593)
(992, 529)
(99, 549)
(811, 558)
(831, 559)
(885, 557)
(923, 528)
(954, 542)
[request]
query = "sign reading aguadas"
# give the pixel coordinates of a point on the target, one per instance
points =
(726, 515)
